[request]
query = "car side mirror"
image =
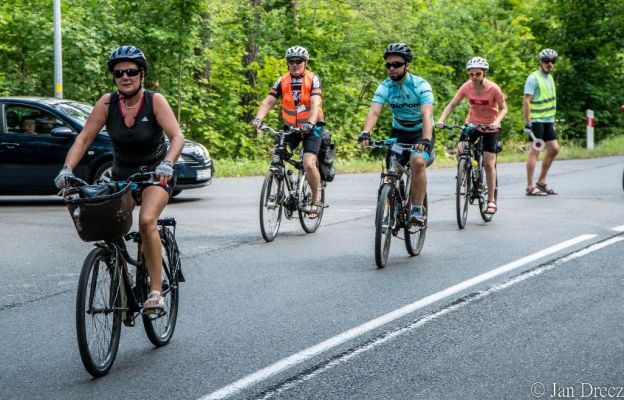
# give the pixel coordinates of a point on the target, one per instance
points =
(62, 131)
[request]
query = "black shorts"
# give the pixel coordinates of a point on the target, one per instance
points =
(121, 173)
(490, 139)
(544, 130)
(311, 142)
(409, 138)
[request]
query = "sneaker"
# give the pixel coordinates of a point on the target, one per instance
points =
(417, 217)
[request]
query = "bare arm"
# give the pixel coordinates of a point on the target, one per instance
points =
(502, 111)
(426, 110)
(449, 109)
(265, 106)
(166, 119)
(315, 108)
(92, 127)
(373, 116)
(526, 108)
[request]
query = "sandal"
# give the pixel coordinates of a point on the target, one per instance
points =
(154, 302)
(491, 208)
(534, 191)
(314, 210)
(544, 188)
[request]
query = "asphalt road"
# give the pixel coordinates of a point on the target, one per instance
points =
(524, 307)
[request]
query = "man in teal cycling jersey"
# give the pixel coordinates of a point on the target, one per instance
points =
(411, 100)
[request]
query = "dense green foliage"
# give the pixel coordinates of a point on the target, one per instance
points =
(215, 60)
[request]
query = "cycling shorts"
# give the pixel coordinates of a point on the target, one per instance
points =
(311, 142)
(489, 138)
(544, 130)
(410, 138)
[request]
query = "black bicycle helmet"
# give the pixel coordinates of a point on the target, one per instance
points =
(126, 53)
(400, 49)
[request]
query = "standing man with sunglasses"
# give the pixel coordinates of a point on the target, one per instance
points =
(301, 94)
(487, 107)
(411, 101)
(539, 107)
(137, 121)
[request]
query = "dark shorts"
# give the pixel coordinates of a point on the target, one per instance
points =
(544, 130)
(490, 139)
(409, 138)
(121, 173)
(311, 142)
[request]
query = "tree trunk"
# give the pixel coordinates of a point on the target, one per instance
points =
(250, 98)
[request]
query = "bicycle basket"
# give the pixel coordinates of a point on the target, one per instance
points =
(101, 212)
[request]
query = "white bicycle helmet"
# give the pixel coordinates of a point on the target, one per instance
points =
(297, 52)
(477, 62)
(548, 54)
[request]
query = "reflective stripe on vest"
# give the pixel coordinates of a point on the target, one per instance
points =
(545, 105)
(290, 114)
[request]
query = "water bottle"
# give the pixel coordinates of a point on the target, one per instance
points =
(292, 179)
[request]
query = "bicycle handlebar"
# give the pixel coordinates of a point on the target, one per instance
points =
(288, 132)
(481, 127)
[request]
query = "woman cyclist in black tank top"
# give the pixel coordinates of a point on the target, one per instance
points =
(137, 121)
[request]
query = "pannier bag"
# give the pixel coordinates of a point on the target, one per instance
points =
(101, 212)
(327, 156)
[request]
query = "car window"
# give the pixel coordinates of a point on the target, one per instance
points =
(24, 119)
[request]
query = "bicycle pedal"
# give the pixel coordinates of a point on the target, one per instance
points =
(154, 312)
(128, 322)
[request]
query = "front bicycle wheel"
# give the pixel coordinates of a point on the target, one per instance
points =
(271, 206)
(159, 327)
(384, 222)
(304, 195)
(98, 312)
(462, 192)
(415, 235)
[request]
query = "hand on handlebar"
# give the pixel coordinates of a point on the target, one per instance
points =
(423, 145)
(256, 123)
(164, 172)
(364, 139)
(439, 125)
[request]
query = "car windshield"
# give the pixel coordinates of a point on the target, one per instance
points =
(78, 111)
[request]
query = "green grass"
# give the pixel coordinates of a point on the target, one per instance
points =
(613, 146)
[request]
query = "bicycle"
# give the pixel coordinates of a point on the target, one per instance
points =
(393, 205)
(470, 182)
(282, 189)
(108, 295)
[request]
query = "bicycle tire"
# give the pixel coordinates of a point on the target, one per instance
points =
(483, 199)
(415, 235)
(462, 192)
(384, 222)
(304, 195)
(95, 299)
(160, 328)
(271, 206)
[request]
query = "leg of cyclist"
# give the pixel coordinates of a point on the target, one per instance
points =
(154, 200)
(489, 162)
(418, 189)
(311, 147)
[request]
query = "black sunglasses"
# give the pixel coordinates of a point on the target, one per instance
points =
(295, 61)
(119, 73)
(395, 65)
(549, 61)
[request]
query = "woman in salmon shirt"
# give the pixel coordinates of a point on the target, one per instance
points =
(487, 107)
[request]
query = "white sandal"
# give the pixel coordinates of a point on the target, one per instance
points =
(154, 301)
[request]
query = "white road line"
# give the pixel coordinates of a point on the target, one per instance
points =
(335, 341)
(618, 228)
(436, 315)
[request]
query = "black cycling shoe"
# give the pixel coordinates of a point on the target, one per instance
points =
(417, 218)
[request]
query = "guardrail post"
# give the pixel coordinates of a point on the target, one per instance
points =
(590, 129)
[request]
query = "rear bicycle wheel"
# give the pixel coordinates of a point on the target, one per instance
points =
(98, 312)
(415, 235)
(271, 205)
(483, 198)
(462, 192)
(304, 195)
(384, 222)
(159, 327)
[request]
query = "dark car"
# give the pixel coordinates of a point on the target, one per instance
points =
(37, 132)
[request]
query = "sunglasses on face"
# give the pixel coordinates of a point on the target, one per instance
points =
(395, 65)
(294, 61)
(549, 62)
(475, 74)
(119, 73)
